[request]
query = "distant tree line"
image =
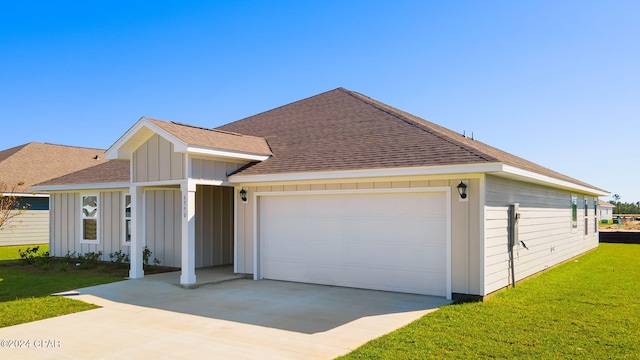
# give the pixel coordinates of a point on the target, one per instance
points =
(624, 207)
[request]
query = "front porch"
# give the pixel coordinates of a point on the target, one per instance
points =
(204, 276)
(182, 204)
(187, 226)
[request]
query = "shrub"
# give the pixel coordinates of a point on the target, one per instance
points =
(89, 259)
(146, 254)
(30, 256)
(43, 260)
(119, 257)
(63, 266)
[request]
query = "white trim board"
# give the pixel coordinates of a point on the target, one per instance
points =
(452, 171)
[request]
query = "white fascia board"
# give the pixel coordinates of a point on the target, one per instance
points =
(117, 150)
(529, 176)
(74, 187)
(196, 150)
(409, 171)
(16, 194)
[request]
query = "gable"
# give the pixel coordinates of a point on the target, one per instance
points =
(156, 160)
(190, 139)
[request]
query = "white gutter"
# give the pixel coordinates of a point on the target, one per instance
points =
(530, 176)
(72, 187)
(497, 169)
(17, 194)
(347, 174)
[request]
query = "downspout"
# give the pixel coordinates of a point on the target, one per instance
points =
(514, 215)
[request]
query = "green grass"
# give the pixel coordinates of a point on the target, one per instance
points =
(31, 309)
(586, 308)
(25, 290)
(11, 252)
(17, 282)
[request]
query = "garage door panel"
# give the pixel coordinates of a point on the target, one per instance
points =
(390, 241)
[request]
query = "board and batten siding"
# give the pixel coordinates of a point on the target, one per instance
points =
(214, 225)
(465, 217)
(163, 226)
(545, 226)
(155, 160)
(218, 170)
(65, 223)
(31, 227)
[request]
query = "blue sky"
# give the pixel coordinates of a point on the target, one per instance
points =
(555, 82)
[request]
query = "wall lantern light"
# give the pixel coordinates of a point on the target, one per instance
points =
(462, 190)
(243, 195)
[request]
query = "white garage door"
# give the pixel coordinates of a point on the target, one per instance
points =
(383, 241)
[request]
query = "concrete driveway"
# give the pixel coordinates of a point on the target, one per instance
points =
(240, 319)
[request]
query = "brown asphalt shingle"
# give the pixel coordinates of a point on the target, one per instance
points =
(35, 162)
(345, 130)
(214, 139)
(112, 171)
(333, 131)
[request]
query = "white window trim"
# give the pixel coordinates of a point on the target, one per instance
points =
(124, 219)
(585, 210)
(97, 218)
(575, 228)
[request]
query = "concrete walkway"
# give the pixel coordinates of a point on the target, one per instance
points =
(240, 319)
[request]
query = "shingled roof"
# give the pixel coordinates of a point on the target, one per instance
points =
(108, 172)
(35, 162)
(344, 130)
(213, 138)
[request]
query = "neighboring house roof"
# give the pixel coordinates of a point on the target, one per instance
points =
(602, 203)
(345, 130)
(35, 162)
(109, 172)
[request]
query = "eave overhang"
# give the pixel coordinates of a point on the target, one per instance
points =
(496, 168)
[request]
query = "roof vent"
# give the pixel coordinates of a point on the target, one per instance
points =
(97, 157)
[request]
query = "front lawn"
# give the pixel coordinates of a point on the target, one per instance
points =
(12, 252)
(25, 289)
(586, 308)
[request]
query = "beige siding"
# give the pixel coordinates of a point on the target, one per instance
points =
(545, 227)
(163, 226)
(29, 227)
(214, 225)
(465, 220)
(155, 160)
(65, 225)
(212, 169)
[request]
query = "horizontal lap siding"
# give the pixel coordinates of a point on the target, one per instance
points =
(545, 227)
(29, 227)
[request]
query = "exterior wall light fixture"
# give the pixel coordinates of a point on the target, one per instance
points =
(243, 195)
(462, 190)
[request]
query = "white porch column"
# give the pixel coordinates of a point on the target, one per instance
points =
(137, 226)
(188, 274)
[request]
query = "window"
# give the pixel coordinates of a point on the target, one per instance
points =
(595, 215)
(586, 216)
(127, 219)
(574, 211)
(90, 218)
